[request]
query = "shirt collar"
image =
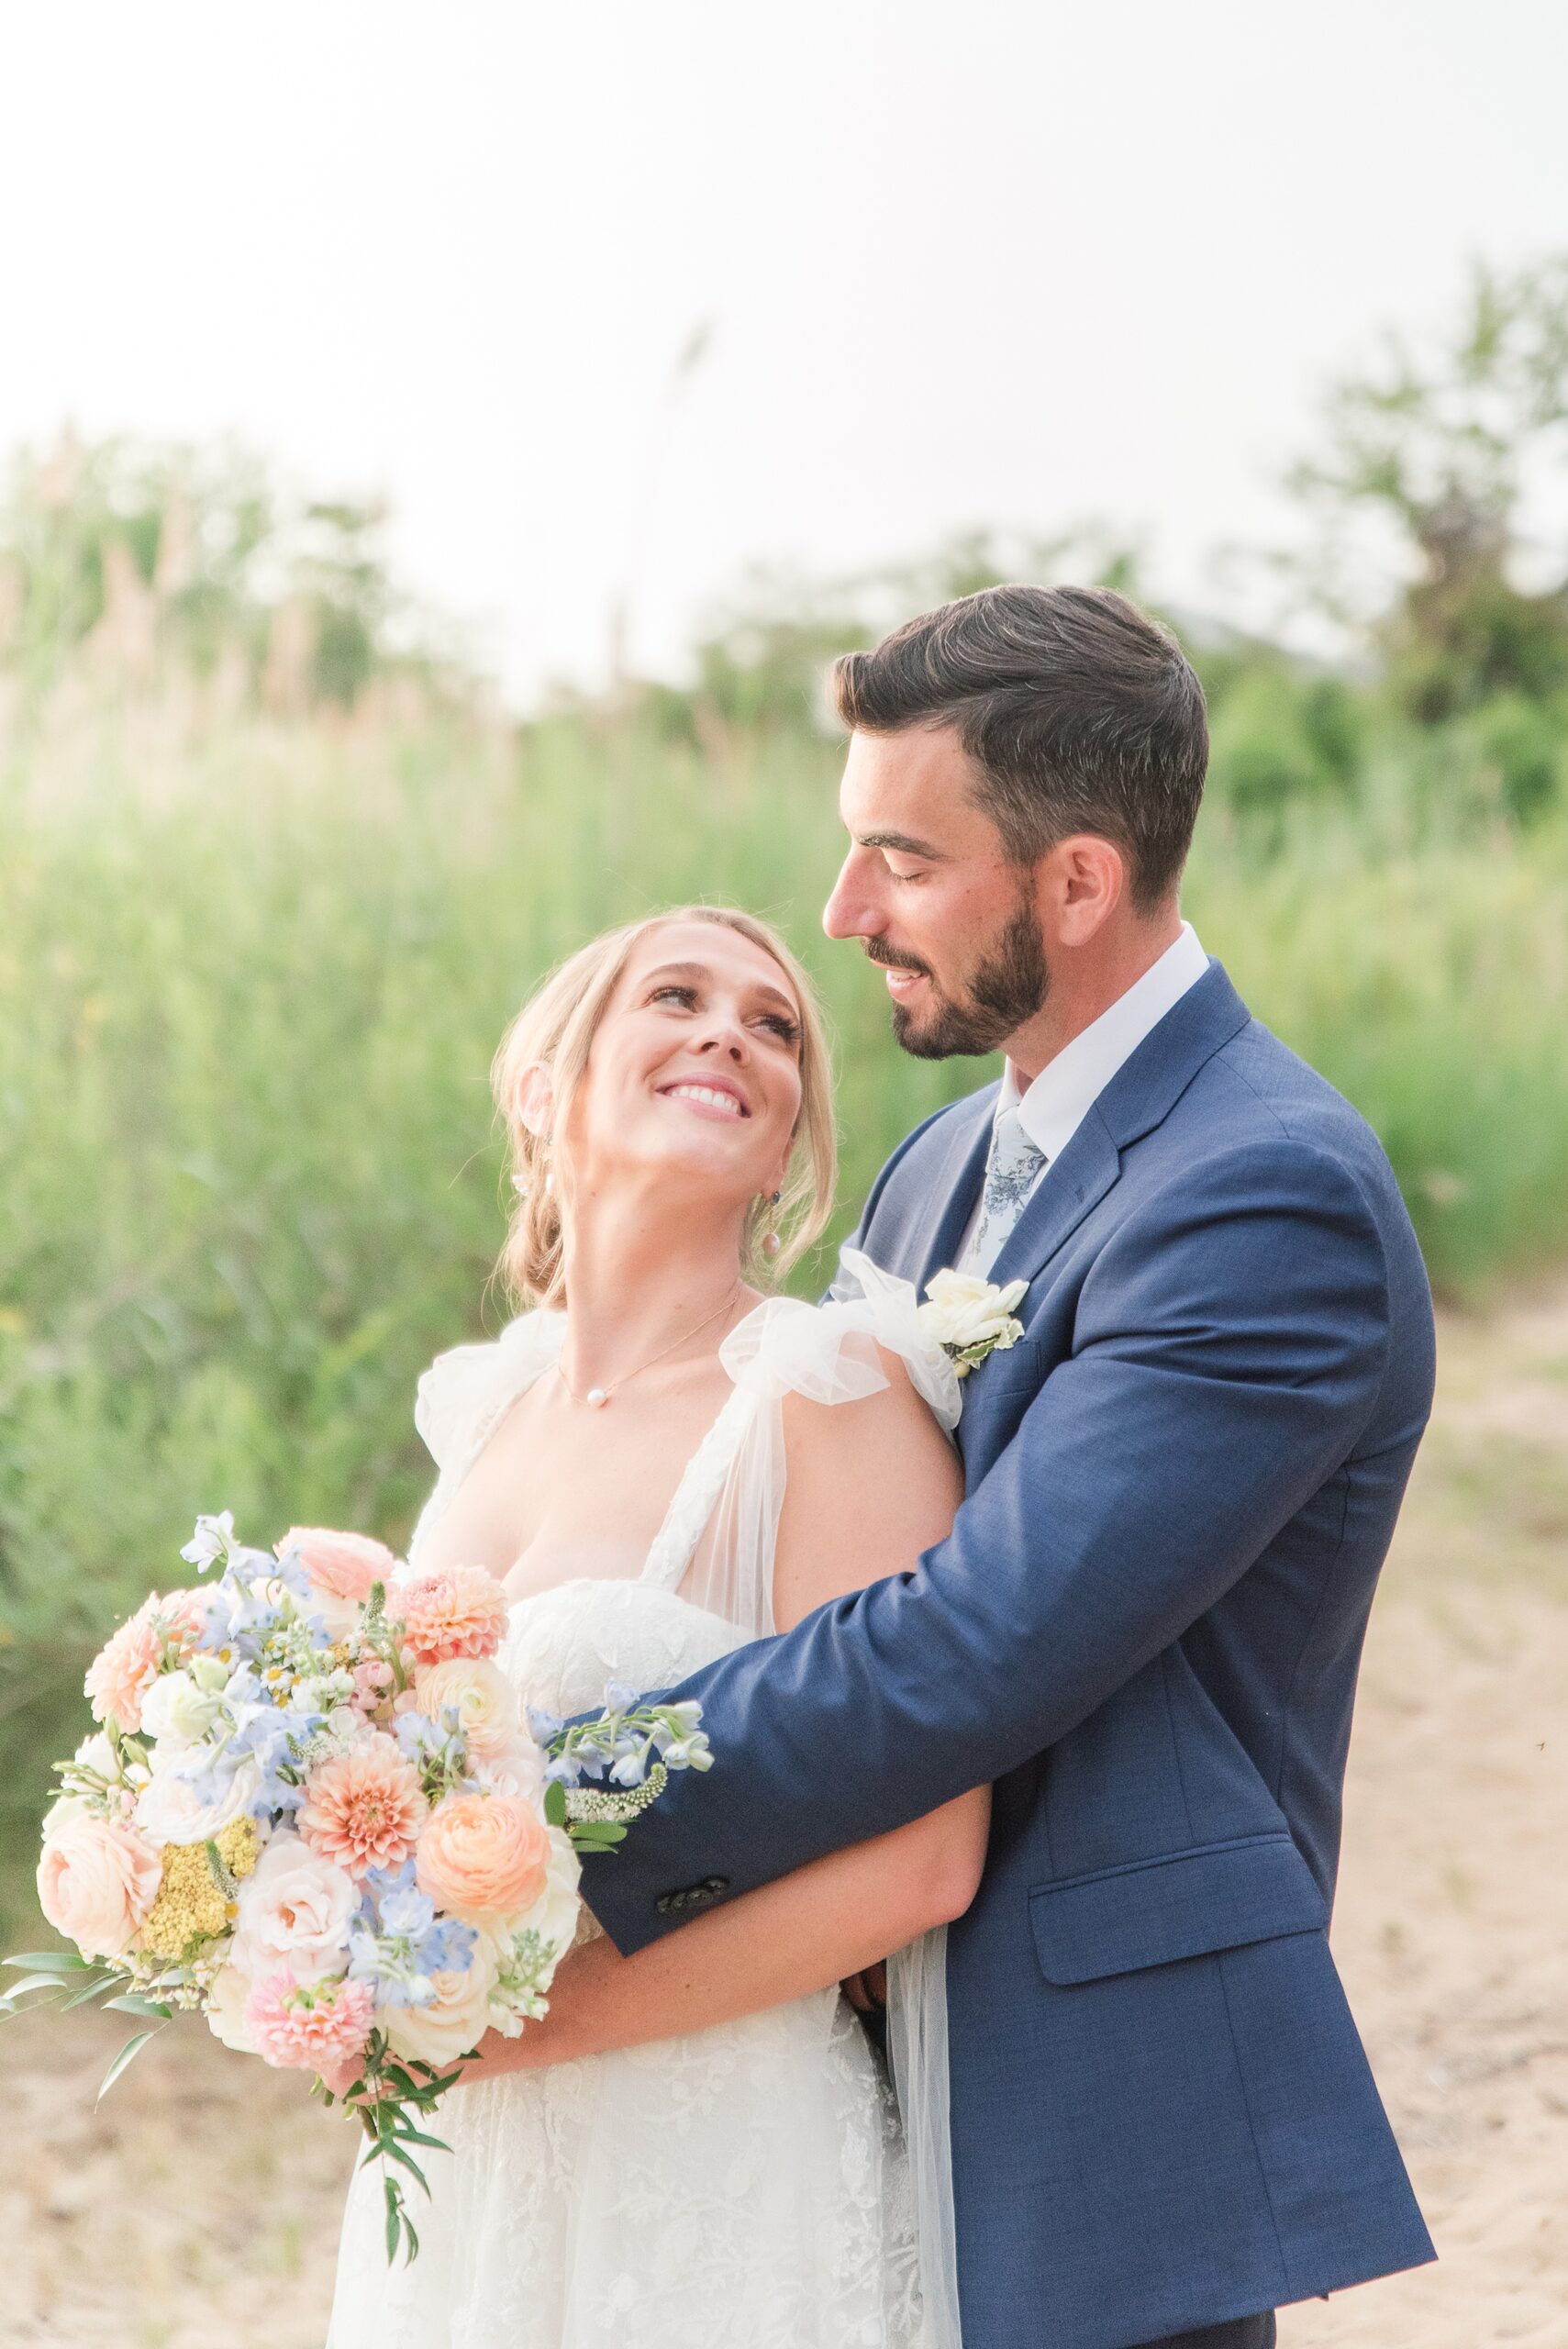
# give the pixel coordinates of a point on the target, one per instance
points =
(1066, 1089)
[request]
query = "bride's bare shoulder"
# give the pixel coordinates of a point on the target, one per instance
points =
(871, 1483)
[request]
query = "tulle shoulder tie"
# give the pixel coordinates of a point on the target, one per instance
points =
(463, 1383)
(829, 1353)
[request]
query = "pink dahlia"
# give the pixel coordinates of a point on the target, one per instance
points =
(317, 2027)
(364, 1809)
(460, 1611)
(184, 1614)
(121, 1673)
(345, 1565)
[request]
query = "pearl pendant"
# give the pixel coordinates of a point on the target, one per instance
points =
(596, 1399)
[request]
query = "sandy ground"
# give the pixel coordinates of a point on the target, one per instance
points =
(200, 2201)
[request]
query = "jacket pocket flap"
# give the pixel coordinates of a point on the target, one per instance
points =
(1183, 1904)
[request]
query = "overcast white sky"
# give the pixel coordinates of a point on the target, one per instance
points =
(1000, 261)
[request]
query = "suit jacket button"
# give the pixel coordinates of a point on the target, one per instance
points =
(715, 1884)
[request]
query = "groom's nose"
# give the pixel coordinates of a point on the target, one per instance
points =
(850, 911)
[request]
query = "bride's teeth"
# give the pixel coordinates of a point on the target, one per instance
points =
(703, 1093)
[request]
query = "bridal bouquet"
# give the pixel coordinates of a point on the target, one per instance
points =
(313, 1812)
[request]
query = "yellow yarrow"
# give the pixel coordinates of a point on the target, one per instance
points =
(192, 1905)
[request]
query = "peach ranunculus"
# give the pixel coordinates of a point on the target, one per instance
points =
(295, 1910)
(343, 1565)
(364, 1809)
(97, 1881)
(317, 2027)
(482, 1856)
(124, 1670)
(462, 1611)
(478, 1692)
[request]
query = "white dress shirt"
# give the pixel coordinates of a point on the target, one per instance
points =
(1066, 1089)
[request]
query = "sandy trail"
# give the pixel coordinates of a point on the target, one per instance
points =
(200, 2202)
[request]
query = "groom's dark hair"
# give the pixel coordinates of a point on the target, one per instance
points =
(1081, 713)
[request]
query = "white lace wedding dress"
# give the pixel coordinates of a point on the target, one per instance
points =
(749, 2185)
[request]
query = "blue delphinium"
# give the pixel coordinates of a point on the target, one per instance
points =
(397, 1941)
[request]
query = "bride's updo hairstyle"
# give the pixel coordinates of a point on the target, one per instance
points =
(558, 1025)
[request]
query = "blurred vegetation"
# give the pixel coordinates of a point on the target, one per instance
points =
(275, 875)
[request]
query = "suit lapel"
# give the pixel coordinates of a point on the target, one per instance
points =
(1139, 1098)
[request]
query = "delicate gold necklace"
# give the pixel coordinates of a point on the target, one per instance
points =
(598, 1397)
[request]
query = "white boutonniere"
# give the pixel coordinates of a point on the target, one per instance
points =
(970, 1318)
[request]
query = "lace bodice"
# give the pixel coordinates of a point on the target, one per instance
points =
(749, 2183)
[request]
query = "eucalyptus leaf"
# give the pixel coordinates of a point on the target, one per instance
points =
(89, 1991)
(33, 1982)
(391, 2148)
(127, 2057)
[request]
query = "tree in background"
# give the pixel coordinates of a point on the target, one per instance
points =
(141, 560)
(1454, 454)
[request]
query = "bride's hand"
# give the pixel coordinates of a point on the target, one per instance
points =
(867, 1991)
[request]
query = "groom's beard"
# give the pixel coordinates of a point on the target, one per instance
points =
(1006, 989)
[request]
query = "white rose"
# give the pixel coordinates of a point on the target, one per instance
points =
(167, 1811)
(554, 1917)
(295, 1909)
(554, 1914)
(96, 1752)
(481, 1695)
(175, 1712)
(517, 1769)
(226, 2009)
(962, 1310)
(63, 1808)
(456, 2019)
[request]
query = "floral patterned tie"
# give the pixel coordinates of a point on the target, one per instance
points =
(1012, 1169)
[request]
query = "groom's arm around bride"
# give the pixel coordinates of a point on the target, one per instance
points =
(1181, 1485)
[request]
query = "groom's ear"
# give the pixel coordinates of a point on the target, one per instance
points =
(536, 1098)
(1081, 881)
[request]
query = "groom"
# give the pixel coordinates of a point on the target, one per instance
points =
(1181, 1486)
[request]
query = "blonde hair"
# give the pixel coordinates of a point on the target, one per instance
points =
(557, 1026)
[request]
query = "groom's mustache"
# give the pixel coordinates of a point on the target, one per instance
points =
(875, 951)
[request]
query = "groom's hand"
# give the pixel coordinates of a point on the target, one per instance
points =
(867, 1991)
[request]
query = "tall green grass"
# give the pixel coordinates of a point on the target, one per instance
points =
(249, 986)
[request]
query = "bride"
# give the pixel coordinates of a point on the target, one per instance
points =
(659, 1462)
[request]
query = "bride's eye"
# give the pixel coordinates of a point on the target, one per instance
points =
(686, 997)
(787, 1030)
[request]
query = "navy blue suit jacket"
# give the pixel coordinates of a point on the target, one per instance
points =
(1144, 1628)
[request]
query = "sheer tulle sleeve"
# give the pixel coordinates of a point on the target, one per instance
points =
(461, 1396)
(833, 1353)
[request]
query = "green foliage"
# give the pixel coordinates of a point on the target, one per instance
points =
(1444, 450)
(137, 563)
(248, 1000)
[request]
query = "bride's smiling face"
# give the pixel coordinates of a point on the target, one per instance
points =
(694, 1067)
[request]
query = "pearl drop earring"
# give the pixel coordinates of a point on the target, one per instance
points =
(772, 1243)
